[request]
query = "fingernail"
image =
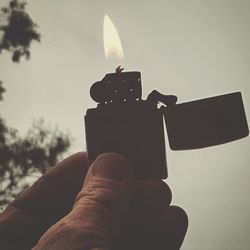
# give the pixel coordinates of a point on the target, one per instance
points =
(111, 166)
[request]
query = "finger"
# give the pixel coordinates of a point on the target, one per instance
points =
(174, 227)
(100, 208)
(151, 199)
(49, 199)
(166, 232)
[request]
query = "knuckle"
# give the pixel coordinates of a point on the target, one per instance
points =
(100, 196)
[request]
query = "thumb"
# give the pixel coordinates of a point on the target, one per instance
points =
(99, 210)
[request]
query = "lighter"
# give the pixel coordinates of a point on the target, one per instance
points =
(126, 124)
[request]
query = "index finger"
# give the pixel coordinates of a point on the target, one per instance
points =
(49, 199)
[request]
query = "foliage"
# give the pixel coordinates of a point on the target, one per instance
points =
(2, 90)
(23, 157)
(18, 30)
(28, 156)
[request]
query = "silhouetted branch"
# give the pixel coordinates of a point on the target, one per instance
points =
(18, 30)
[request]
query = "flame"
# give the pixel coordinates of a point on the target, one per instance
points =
(111, 39)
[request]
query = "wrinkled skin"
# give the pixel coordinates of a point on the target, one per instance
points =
(72, 207)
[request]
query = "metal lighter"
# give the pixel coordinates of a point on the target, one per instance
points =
(126, 124)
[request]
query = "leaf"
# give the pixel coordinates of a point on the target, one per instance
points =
(19, 30)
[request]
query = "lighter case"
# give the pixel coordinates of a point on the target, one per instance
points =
(129, 130)
(124, 123)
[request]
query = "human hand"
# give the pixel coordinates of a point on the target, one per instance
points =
(111, 211)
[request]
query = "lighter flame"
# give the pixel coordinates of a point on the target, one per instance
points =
(111, 39)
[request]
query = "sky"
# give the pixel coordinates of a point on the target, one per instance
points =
(193, 49)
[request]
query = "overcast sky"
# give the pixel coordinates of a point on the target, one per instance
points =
(193, 49)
